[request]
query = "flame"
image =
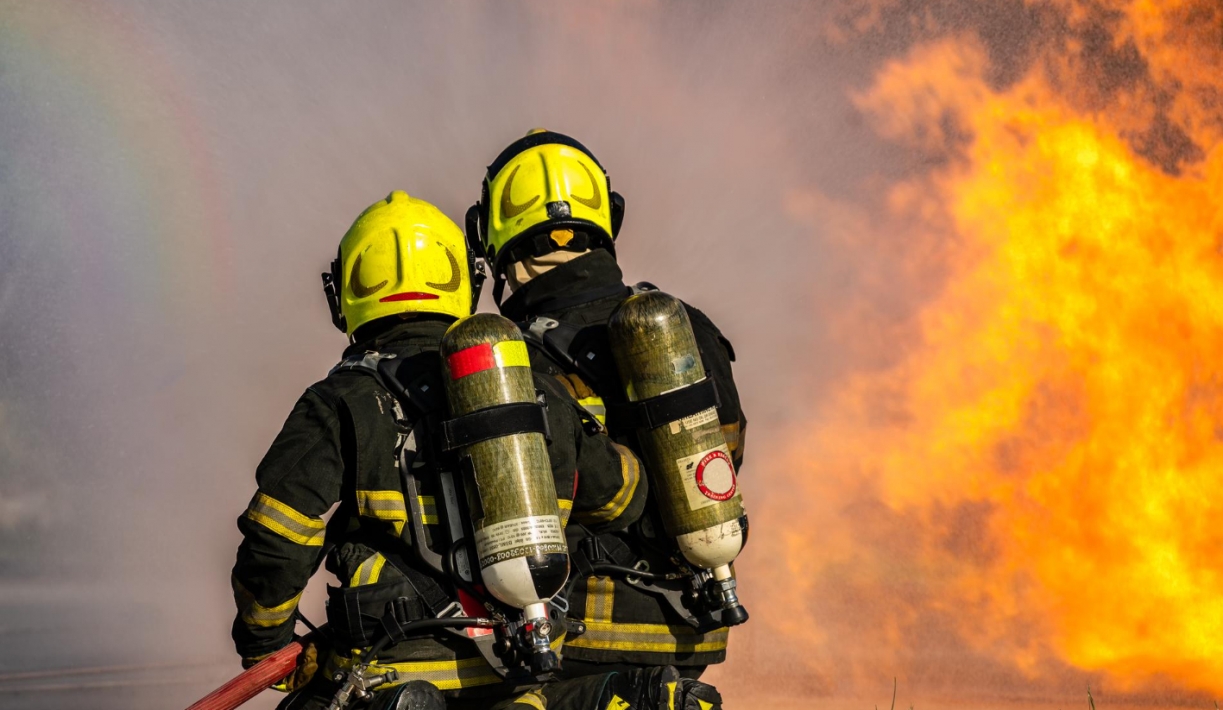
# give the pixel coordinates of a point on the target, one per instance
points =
(1033, 463)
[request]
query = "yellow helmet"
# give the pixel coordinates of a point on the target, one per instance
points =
(545, 192)
(402, 255)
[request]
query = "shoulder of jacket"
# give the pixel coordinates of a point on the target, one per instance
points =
(702, 323)
(346, 379)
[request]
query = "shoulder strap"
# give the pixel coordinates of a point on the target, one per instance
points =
(423, 396)
(578, 349)
(665, 408)
(552, 336)
(423, 393)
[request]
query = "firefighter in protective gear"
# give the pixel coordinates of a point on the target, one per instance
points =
(547, 223)
(403, 275)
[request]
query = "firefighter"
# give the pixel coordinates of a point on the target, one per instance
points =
(403, 276)
(546, 223)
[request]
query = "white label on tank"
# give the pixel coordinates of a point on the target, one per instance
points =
(699, 419)
(709, 477)
(519, 537)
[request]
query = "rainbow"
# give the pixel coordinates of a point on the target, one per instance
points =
(111, 164)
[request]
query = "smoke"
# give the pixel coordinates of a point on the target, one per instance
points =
(177, 176)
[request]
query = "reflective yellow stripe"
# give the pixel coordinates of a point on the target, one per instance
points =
(704, 705)
(369, 571)
(730, 432)
(534, 699)
(630, 473)
(255, 614)
(604, 636)
(446, 675)
(428, 510)
(286, 522)
(595, 406)
(671, 695)
(600, 596)
(566, 508)
(383, 505)
(511, 353)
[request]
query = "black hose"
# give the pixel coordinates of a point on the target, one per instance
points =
(630, 572)
(414, 627)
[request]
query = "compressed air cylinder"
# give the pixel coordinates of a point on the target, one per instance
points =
(518, 535)
(688, 461)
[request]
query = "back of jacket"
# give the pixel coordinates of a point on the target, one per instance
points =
(624, 624)
(340, 448)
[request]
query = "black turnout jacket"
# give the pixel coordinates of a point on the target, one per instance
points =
(338, 451)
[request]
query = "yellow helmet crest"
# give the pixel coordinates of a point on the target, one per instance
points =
(402, 255)
(544, 193)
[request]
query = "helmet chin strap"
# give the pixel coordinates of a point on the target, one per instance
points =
(331, 289)
(498, 288)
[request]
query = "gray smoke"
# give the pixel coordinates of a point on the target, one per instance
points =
(136, 400)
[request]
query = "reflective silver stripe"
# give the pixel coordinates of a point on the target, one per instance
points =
(383, 505)
(369, 571)
(600, 596)
(649, 637)
(594, 405)
(446, 675)
(255, 614)
(285, 521)
(630, 472)
(730, 432)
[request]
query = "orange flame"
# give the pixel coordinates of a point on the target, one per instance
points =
(1038, 469)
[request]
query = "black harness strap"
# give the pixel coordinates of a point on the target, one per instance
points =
(423, 396)
(675, 405)
(599, 549)
(578, 349)
(583, 350)
(493, 423)
(434, 598)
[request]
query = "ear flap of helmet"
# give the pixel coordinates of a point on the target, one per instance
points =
(475, 254)
(331, 289)
(474, 240)
(478, 275)
(617, 212)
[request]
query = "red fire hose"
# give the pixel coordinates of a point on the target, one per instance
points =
(253, 681)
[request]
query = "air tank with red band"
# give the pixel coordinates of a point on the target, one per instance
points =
(519, 540)
(689, 462)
